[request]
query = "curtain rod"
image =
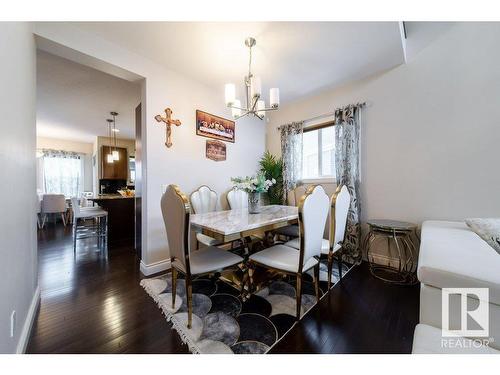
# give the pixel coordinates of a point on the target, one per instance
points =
(332, 113)
(362, 104)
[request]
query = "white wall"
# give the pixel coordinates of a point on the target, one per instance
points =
(431, 134)
(17, 160)
(185, 163)
(72, 146)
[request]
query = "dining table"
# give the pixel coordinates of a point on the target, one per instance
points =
(239, 224)
(232, 225)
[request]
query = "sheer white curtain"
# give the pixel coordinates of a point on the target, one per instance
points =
(62, 173)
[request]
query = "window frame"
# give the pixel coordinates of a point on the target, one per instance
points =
(319, 179)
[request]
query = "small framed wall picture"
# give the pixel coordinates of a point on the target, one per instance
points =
(211, 126)
(215, 150)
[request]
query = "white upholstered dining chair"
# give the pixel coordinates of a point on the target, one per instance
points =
(313, 212)
(237, 199)
(54, 204)
(176, 216)
(204, 200)
(38, 211)
(339, 207)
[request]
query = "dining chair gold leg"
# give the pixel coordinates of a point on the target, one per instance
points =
(250, 276)
(244, 280)
(298, 295)
(330, 266)
(316, 281)
(189, 294)
(174, 286)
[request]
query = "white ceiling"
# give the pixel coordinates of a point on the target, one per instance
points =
(300, 58)
(74, 101)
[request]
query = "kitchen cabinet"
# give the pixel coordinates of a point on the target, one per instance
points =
(118, 170)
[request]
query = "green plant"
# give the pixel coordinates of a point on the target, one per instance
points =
(272, 168)
(255, 184)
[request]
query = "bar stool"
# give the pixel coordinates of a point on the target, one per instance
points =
(98, 229)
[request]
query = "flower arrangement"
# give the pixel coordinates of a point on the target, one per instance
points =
(254, 184)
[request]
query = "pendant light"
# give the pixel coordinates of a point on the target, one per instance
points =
(109, 156)
(116, 154)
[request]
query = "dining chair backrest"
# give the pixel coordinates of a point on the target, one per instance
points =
(340, 203)
(83, 200)
(203, 200)
(53, 203)
(75, 206)
(313, 211)
(237, 199)
(38, 203)
(175, 209)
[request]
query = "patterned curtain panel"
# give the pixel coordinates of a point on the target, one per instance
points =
(347, 139)
(62, 173)
(291, 152)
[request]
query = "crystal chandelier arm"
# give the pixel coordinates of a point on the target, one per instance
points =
(242, 115)
(235, 107)
(268, 109)
(254, 104)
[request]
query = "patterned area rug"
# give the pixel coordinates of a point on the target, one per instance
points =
(222, 323)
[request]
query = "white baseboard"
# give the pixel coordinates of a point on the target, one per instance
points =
(150, 269)
(28, 323)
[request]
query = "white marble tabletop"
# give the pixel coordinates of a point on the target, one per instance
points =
(235, 221)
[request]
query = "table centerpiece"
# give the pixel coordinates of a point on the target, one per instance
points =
(254, 186)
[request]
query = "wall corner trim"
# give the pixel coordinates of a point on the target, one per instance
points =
(150, 269)
(28, 323)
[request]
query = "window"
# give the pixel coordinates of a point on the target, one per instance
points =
(62, 174)
(318, 153)
(131, 167)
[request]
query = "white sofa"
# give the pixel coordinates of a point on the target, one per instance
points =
(453, 256)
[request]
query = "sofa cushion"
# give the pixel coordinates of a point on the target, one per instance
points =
(427, 340)
(488, 230)
(453, 256)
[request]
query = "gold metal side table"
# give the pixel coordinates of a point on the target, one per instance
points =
(401, 234)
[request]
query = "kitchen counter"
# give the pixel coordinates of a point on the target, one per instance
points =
(108, 197)
(121, 218)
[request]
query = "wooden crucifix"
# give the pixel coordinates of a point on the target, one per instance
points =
(168, 122)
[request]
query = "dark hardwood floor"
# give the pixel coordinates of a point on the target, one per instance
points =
(90, 305)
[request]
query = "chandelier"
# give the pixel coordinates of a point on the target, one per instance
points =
(113, 154)
(253, 90)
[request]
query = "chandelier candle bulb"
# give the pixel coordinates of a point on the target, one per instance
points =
(256, 87)
(236, 111)
(230, 91)
(274, 97)
(261, 105)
